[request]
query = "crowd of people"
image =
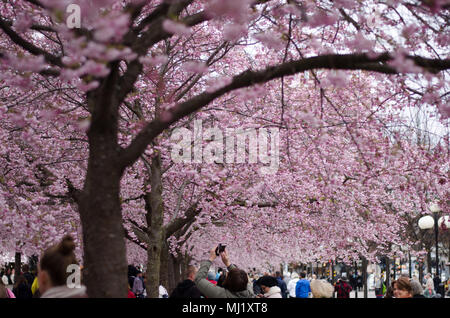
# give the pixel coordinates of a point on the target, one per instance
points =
(51, 278)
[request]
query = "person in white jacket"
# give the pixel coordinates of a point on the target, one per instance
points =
(269, 285)
(291, 285)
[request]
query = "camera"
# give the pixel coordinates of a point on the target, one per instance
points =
(220, 248)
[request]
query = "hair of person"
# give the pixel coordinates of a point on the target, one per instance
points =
(25, 268)
(191, 270)
(57, 258)
(268, 281)
(403, 283)
(416, 288)
(302, 274)
(19, 280)
(236, 280)
(321, 289)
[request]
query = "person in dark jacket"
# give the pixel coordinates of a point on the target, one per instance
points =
(21, 289)
(281, 284)
(28, 276)
(342, 288)
(187, 288)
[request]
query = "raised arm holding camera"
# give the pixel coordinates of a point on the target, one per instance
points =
(236, 281)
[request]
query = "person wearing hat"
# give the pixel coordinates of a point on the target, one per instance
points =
(342, 287)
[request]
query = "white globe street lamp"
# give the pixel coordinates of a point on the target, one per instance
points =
(428, 222)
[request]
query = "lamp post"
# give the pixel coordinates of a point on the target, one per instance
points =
(428, 222)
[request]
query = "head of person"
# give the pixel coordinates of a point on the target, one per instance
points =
(416, 287)
(402, 288)
(191, 272)
(20, 280)
(236, 280)
(139, 274)
(302, 275)
(52, 269)
(266, 282)
(25, 268)
(294, 275)
(277, 274)
(321, 289)
(314, 276)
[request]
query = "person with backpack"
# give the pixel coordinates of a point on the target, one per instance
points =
(342, 288)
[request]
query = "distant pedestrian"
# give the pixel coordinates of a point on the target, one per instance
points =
(8, 278)
(302, 288)
(281, 284)
(429, 291)
(291, 285)
(343, 288)
(378, 287)
(138, 286)
(187, 288)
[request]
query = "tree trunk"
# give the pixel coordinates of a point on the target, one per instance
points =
(420, 271)
(17, 265)
(105, 265)
(164, 270)
(364, 276)
(172, 282)
(176, 270)
(388, 272)
(429, 261)
(154, 206)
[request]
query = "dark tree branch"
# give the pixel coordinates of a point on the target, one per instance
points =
(28, 46)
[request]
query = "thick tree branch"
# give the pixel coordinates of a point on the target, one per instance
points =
(28, 46)
(178, 223)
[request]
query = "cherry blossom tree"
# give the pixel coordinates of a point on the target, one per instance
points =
(92, 107)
